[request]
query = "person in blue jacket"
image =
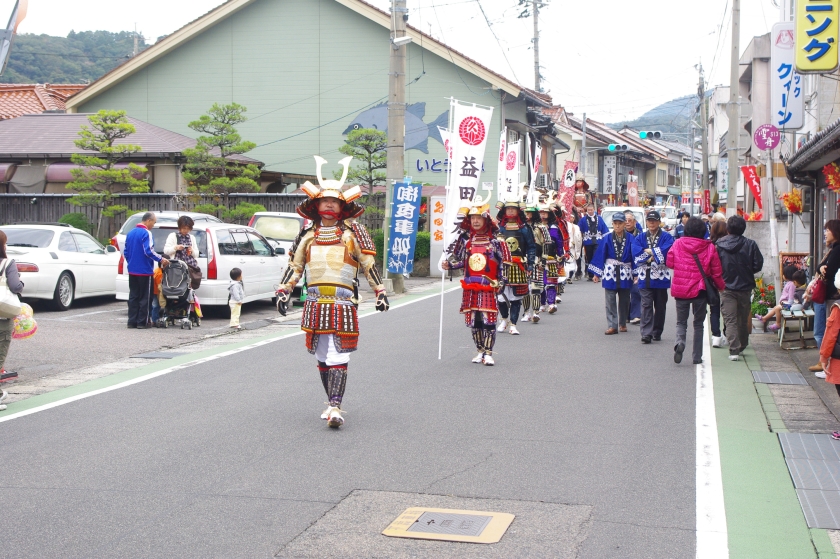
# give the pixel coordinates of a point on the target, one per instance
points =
(140, 257)
(654, 277)
(613, 265)
(593, 229)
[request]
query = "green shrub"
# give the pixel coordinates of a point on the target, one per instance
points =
(422, 249)
(242, 212)
(77, 220)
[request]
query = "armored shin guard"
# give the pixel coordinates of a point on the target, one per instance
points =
(515, 307)
(336, 381)
(324, 370)
(478, 337)
(526, 303)
(535, 301)
(488, 340)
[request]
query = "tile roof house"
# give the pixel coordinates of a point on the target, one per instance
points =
(35, 153)
(27, 99)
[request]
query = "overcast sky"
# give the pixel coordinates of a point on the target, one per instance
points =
(613, 59)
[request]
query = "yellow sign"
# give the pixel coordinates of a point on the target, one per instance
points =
(471, 526)
(816, 27)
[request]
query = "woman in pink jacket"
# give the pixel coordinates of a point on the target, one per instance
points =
(687, 285)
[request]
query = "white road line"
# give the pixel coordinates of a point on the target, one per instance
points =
(712, 536)
(186, 365)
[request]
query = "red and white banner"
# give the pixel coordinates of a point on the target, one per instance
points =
(752, 180)
(468, 133)
(536, 163)
(707, 202)
(500, 170)
(510, 187)
(566, 194)
(633, 193)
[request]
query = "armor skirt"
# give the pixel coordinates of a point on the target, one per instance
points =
(329, 310)
(478, 297)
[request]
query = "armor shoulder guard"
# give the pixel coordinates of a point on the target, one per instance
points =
(365, 240)
(301, 234)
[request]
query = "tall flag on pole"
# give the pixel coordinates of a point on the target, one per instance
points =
(468, 132)
(501, 174)
(536, 162)
(6, 35)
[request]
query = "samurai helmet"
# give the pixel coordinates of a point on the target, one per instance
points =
(477, 207)
(329, 188)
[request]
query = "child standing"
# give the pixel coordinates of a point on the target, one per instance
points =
(237, 297)
(787, 298)
(156, 306)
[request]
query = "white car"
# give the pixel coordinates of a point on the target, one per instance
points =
(669, 216)
(280, 228)
(61, 263)
(222, 247)
(200, 219)
(608, 211)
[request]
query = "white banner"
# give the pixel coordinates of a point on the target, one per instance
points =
(787, 99)
(469, 129)
(722, 176)
(536, 162)
(510, 188)
(610, 179)
(501, 173)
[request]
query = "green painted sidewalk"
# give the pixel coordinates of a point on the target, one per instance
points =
(763, 516)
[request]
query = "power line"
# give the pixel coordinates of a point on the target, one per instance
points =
(490, 27)
(71, 55)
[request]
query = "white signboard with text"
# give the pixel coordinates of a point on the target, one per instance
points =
(787, 99)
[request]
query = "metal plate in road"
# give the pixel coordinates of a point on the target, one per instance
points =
(773, 377)
(450, 525)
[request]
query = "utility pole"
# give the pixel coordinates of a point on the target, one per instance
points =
(734, 112)
(693, 178)
(535, 7)
(704, 122)
(395, 169)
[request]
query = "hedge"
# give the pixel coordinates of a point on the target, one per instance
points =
(422, 248)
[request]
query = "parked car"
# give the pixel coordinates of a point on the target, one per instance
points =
(669, 216)
(61, 263)
(118, 240)
(222, 247)
(280, 228)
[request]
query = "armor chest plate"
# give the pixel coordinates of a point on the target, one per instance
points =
(330, 265)
(515, 241)
(480, 261)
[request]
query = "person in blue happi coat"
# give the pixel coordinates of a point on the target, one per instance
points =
(632, 226)
(593, 229)
(612, 263)
(653, 276)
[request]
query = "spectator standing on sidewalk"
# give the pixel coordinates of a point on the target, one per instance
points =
(140, 256)
(718, 232)
(741, 260)
(829, 349)
(686, 257)
(634, 229)
(827, 270)
(8, 268)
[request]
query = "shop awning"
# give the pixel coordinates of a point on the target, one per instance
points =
(60, 172)
(675, 190)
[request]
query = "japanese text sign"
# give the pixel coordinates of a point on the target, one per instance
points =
(723, 175)
(509, 187)
(766, 137)
(501, 173)
(610, 179)
(816, 35)
(468, 133)
(707, 202)
(402, 235)
(437, 205)
(787, 99)
(752, 180)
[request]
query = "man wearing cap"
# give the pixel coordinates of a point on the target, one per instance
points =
(613, 265)
(654, 277)
(633, 228)
(593, 229)
(332, 252)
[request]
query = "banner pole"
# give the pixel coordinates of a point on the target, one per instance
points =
(440, 335)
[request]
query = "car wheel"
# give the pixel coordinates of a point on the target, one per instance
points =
(65, 292)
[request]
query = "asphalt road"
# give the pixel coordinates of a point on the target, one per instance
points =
(588, 439)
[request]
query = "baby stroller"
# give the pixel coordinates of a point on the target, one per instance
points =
(180, 299)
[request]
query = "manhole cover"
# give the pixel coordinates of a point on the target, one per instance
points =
(450, 525)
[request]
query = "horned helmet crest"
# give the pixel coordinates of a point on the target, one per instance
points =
(330, 188)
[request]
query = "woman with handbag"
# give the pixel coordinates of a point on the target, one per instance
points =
(697, 279)
(823, 292)
(9, 279)
(183, 246)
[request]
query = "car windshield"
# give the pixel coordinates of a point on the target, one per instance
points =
(30, 238)
(278, 228)
(670, 212)
(608, 213)
(132, 221)
(160, 236)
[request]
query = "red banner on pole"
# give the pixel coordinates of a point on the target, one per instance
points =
(752, 180)
(707, 202)
(633, 193)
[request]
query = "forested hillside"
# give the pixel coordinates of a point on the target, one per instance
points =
(78, 58)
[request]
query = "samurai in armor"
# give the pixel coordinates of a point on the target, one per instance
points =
(514, 230)
(330, 254)
(549, 251)
(481, 254)
(531, 302)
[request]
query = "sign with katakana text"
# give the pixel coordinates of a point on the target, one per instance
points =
(787, 96)
(610, 179)
(752, 180)
(402, 236)
(816, 36)
(469, 130)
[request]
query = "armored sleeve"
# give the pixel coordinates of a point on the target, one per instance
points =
(297, 264)
(364, 251)
(457, 252)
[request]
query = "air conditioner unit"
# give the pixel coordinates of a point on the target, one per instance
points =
(544, 181)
